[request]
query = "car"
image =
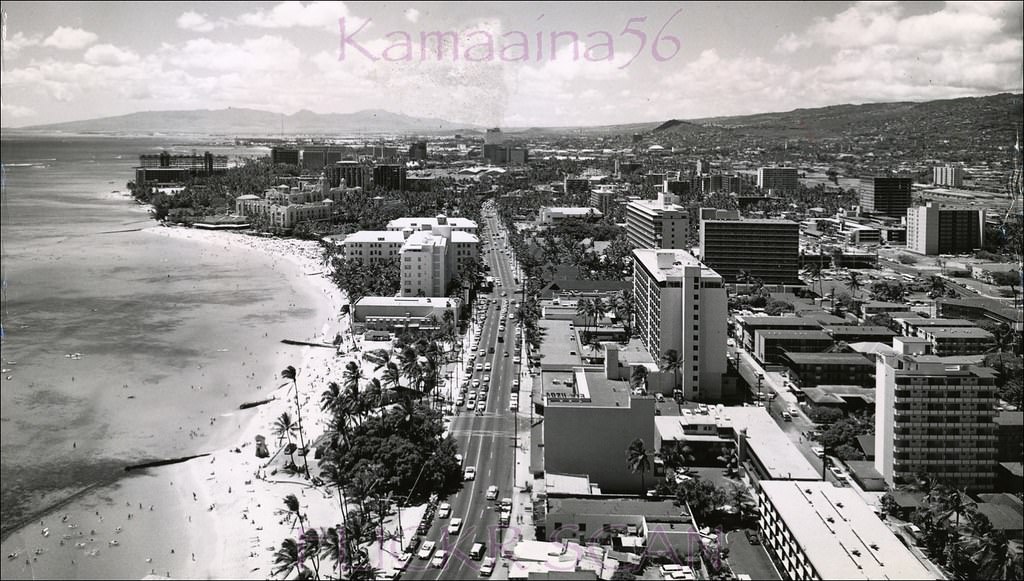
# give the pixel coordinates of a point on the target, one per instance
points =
(455, 526)
(506, 354)
(513, 406)
(438, 561)
(481, 405)
(793, 411)
(487, 567)
(818, 451)
(476, 382)
(469, 473)
(426, 549)
(687, 412)
(752, 537)
(660, 398)
(487, 379)
(506, 504)
(511, 317)
(482, 353)
(730, 342)
(504, 518)
(460, 401)
(479, 366)
(414, 543)
(476, 552)
(487, 367)
(486, 387)
(787, 417)
(837, 472)
(517, 360)
(515, 384)
(444, 510)
(490, 350)
(492, 492)
(458, 458)
(471, 403)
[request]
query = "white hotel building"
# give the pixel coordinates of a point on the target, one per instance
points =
(430, 251)
(813, 530)
(681, 304)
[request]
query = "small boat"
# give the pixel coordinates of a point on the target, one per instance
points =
(12, 556)
(46, 532)
(113, 543)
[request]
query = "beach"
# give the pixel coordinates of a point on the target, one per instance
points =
(214, 516)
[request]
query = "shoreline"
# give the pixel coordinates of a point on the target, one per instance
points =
(191, 501)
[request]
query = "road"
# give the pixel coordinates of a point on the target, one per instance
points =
(486, 441)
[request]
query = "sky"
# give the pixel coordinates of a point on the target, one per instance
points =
(492, 64)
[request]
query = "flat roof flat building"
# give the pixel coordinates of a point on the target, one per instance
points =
(767, 249)
(659, 223)
(934, 419)
(680, 305)
(932, 229)
(777, 179)
(817, 531)
(888, 196)
(949, 175)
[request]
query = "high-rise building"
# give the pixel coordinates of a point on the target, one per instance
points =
(767, 249)
(949, 175)
(680, 305)
(316, 158)
(932, 229)
(657, 223)
(934, 419)
(703, 166)
(575, 185)
(418, 151)
(352, 173)
(288, 155)
(494, 137)
(888, 196)
(389, 177)
(710, 184)
(777, 179)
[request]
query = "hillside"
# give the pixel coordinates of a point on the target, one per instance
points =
(234, 121)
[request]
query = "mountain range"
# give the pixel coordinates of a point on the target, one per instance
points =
(1000, 113)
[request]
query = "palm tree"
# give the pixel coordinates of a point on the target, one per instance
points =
(813, 270)
(854, 283)
(638, 376)
(284, 426)
(292, 374)
(674, 362)
(584, 308)
(638, 461)
(995, 557)
(287, 559)
(954, 503)
(351, 377)
(744, 276)
(311, 550)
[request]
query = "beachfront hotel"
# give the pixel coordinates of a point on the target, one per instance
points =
(659, 223)
(430, 251)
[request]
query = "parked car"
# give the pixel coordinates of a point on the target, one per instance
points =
(492, 492)
(444, 510)
(438, 561)
(487, 567)
(752, 537)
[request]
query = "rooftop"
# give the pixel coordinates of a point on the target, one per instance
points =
(663, 269)
(829, 358)
(656, 510)
(860, 330)
(754, 321)
(395, 236)
(837, 394)
(591, 389)
(440, 302)
(839, 534)
(773, 448)
(454, 222)
(1006, 418)
(793, 334)
(923, 322)
(961, 332)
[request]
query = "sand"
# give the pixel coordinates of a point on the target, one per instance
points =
(217, 516)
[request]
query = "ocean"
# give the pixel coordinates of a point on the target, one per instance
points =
(119, 346)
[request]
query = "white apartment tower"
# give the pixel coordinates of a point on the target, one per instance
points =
(681, 304)
(659, 223)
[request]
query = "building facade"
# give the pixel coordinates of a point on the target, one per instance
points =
(768, 250)
(680, 305)
(888, 196)
(935, 420)
(932, 229)
(813, 530)
(777, 179)
(949, 175)
(657, 223)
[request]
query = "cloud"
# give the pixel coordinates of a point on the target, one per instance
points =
(66, 38)
(16, 111)
(267, 54)
(412, 15)
(14, 44)
(323, 15)
(196, 22)
(109, 55)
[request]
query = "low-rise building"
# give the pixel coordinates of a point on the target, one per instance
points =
(771, 345)
(958, 340)
(747, 326)
(814, 369)
(860, 333)
(813, 530)
(394, 314)
(551, 215)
